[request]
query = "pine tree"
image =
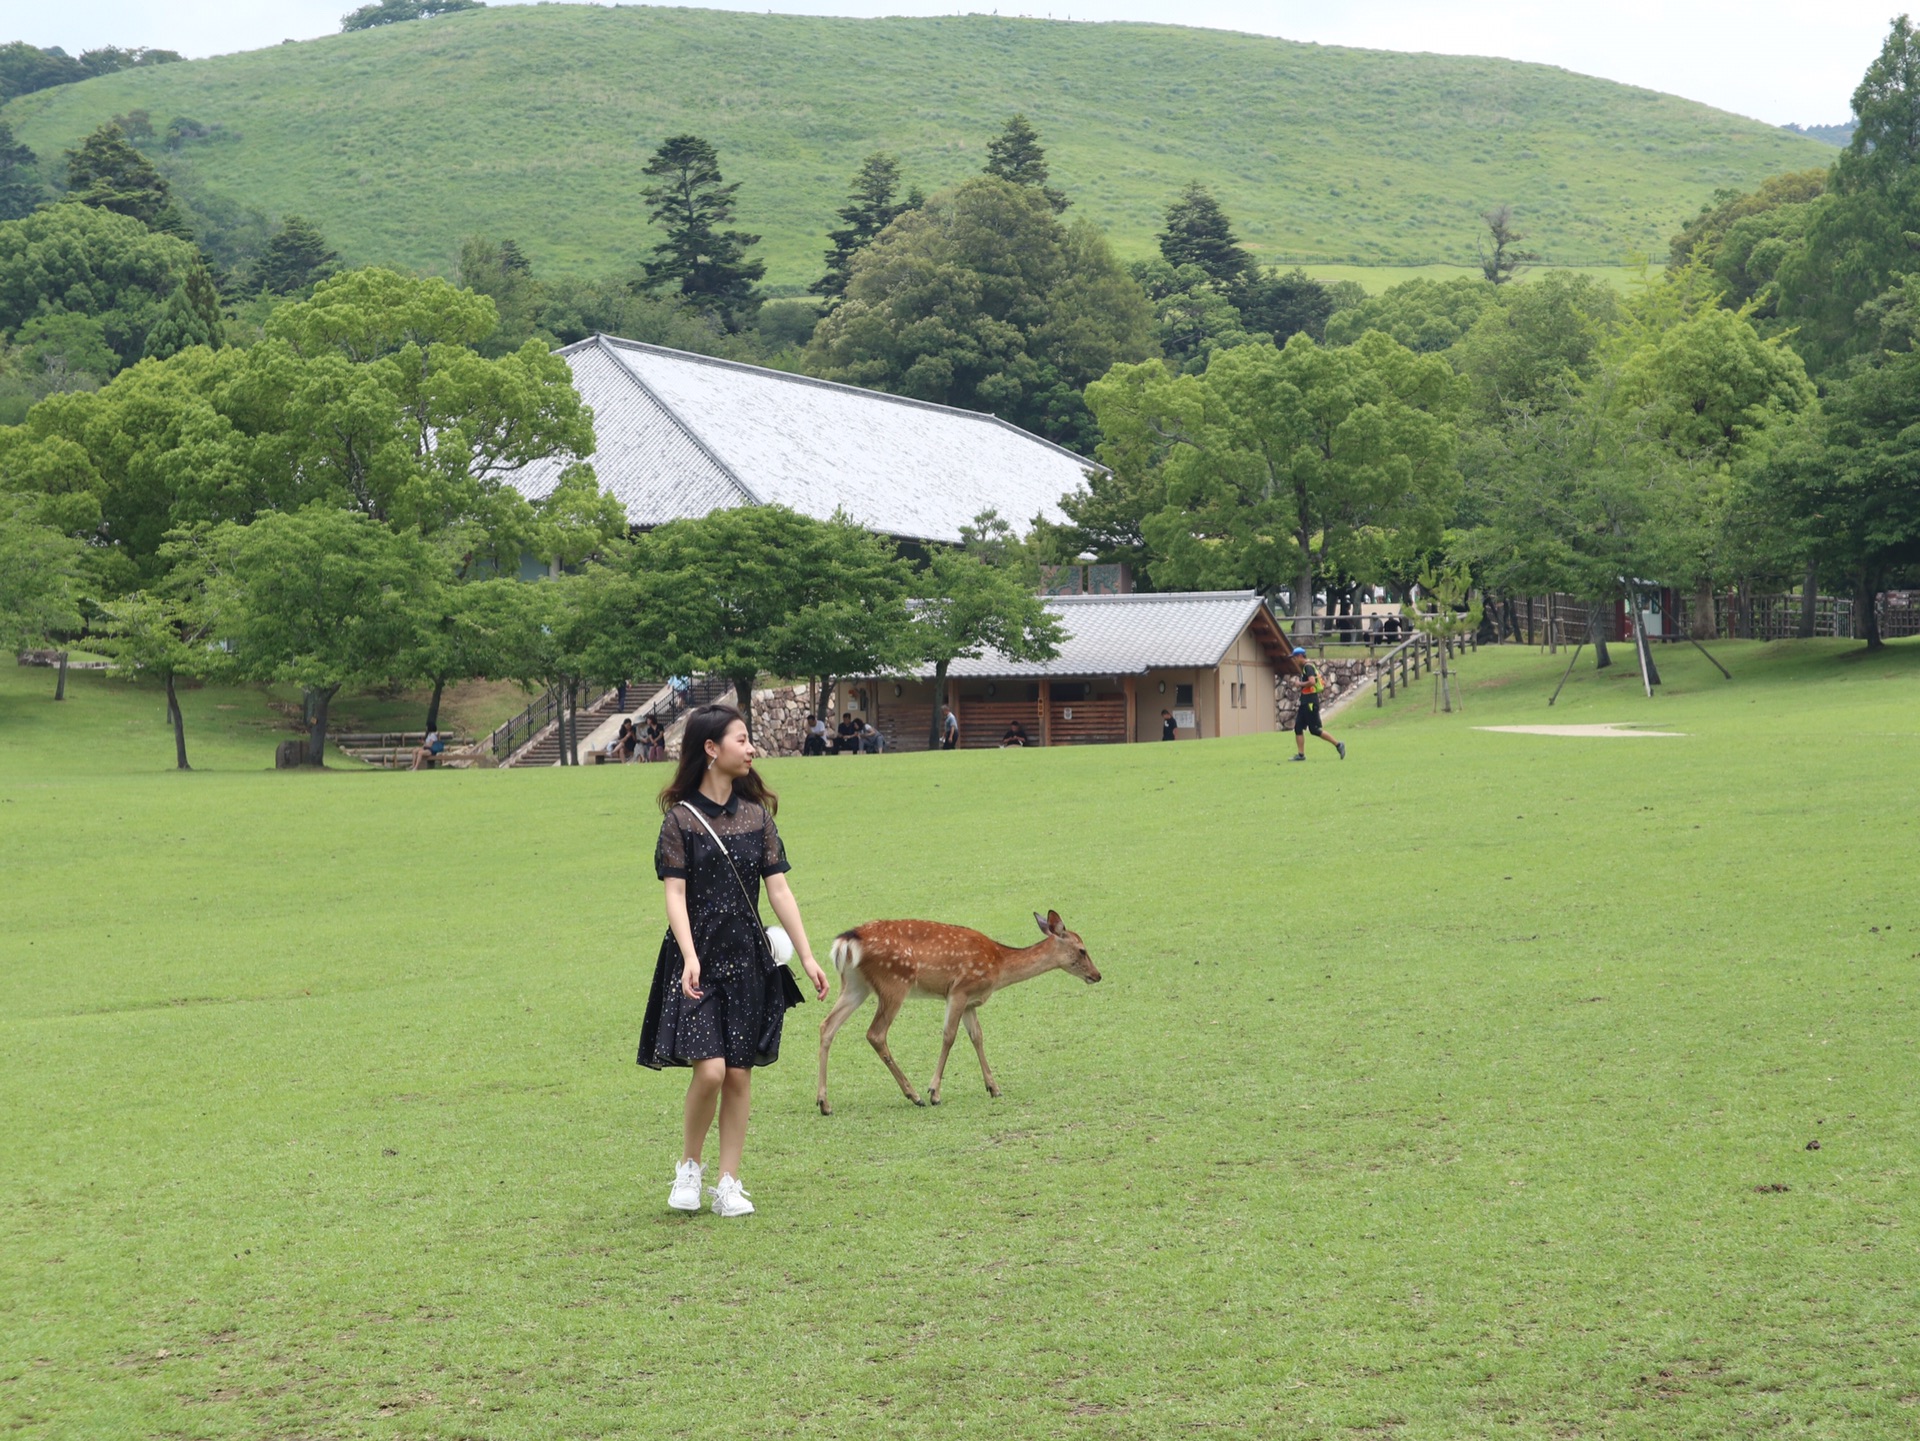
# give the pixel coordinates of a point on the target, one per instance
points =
(110, 174)
(692, 204)
(1016, 155)
(294, 260)
(1199, 233)
(19, 184)
(870, 209)
(191, 316)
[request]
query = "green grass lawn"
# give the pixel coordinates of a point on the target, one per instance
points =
(533, 122)
(1449, 1091)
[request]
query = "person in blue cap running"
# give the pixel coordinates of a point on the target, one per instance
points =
(1307, 717)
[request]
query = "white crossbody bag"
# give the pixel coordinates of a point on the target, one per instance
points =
(778, 941)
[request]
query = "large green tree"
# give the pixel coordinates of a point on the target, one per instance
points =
(322, 598)
(1423, 315)
(40, 575)
(108, 271)
(1016, 156)
(1857, 237)
(20, 184)
(700, 253)
(871, 207)
(296, 258)
(763, 589)
(965, 606)
(154, 636)
(1196, 231)
(1282, 465)
(983, 299)
(109, 174)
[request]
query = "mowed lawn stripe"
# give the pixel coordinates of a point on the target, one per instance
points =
(323, 1085)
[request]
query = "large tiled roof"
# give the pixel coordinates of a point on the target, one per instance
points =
(1131, 634)
(681, 435)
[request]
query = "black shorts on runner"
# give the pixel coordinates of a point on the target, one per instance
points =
(1307, 718)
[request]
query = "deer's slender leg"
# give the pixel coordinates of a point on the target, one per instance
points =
(956, 1007)
(886, 1010)
(853, 994)
(971, 1018)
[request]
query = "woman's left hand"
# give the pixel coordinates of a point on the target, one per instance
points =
(817, 976)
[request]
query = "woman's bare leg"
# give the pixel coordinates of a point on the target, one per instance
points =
(736, 1101)
(703, 1093)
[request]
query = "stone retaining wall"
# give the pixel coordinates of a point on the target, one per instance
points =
(1343, 677)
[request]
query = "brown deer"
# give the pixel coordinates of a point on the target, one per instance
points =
(897, 959)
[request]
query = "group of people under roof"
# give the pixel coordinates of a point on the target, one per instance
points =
(850, 738)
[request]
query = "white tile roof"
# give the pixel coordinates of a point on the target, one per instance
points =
(1130, 634)
(681, 435)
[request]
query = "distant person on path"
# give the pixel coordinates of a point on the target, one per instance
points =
(1307, 717)
(424, 753)
(719, 996)
(1168, 729)
(949, 728)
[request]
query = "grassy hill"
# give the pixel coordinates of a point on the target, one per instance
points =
(533, 122)
(1462, 1088)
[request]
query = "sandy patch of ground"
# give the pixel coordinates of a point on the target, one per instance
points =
(1612, 730)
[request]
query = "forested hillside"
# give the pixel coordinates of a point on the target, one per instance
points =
(533, 122)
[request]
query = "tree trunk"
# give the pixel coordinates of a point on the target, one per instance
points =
(60, 686)
(1704, 627)
(317, 738)
(940, 695)
(1809, 601)
(1867, 627)
(1303, 600)
(179, 727)
(570, 726)
(433, 706)
(1597, 634)
(1640, 642)
(822, 708)
(743, 695)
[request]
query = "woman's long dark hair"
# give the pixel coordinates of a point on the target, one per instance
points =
(709, 723)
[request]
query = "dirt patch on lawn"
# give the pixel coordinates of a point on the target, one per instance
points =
(1612, 730)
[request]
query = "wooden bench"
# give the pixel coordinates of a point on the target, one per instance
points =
(393, 750)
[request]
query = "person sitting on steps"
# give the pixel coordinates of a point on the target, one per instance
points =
(427, 751)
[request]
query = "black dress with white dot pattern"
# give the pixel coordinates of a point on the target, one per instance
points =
(745, 992)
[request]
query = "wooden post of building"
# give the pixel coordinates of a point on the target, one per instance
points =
(1046, 711)
(1129, 686)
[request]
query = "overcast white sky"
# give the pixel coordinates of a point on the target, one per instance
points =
(1776, 60)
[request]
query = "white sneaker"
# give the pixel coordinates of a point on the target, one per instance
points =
(729, 1199)
(685, 1195)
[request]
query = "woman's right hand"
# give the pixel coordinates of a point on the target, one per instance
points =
(690, 979)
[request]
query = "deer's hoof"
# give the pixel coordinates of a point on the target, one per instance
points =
(933, 1098)
(825, 1109)
(994, 1091)
(915, 1099)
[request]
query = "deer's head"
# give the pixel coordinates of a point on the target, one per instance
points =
(1074, 958)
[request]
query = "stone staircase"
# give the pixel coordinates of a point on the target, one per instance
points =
(544, 749)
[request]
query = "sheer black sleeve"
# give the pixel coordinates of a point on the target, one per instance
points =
(774, 854)
(670, 854)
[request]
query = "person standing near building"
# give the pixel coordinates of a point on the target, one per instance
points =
(719, 995)
(1169, 728)
(1307, 717)
(949, 729)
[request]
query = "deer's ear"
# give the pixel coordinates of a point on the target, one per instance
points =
(1055, 924)
(1045, 929)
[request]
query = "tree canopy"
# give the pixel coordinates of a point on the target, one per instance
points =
(871, 207)
(983, 299)
(699, 252)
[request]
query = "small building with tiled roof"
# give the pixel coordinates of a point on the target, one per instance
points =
(1212, 658)
(680, 435)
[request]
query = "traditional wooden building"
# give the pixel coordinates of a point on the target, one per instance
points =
(681, 435)
(1213, 658)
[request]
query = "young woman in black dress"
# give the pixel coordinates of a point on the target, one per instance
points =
(719, 995)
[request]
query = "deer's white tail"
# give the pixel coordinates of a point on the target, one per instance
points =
(846, 953)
